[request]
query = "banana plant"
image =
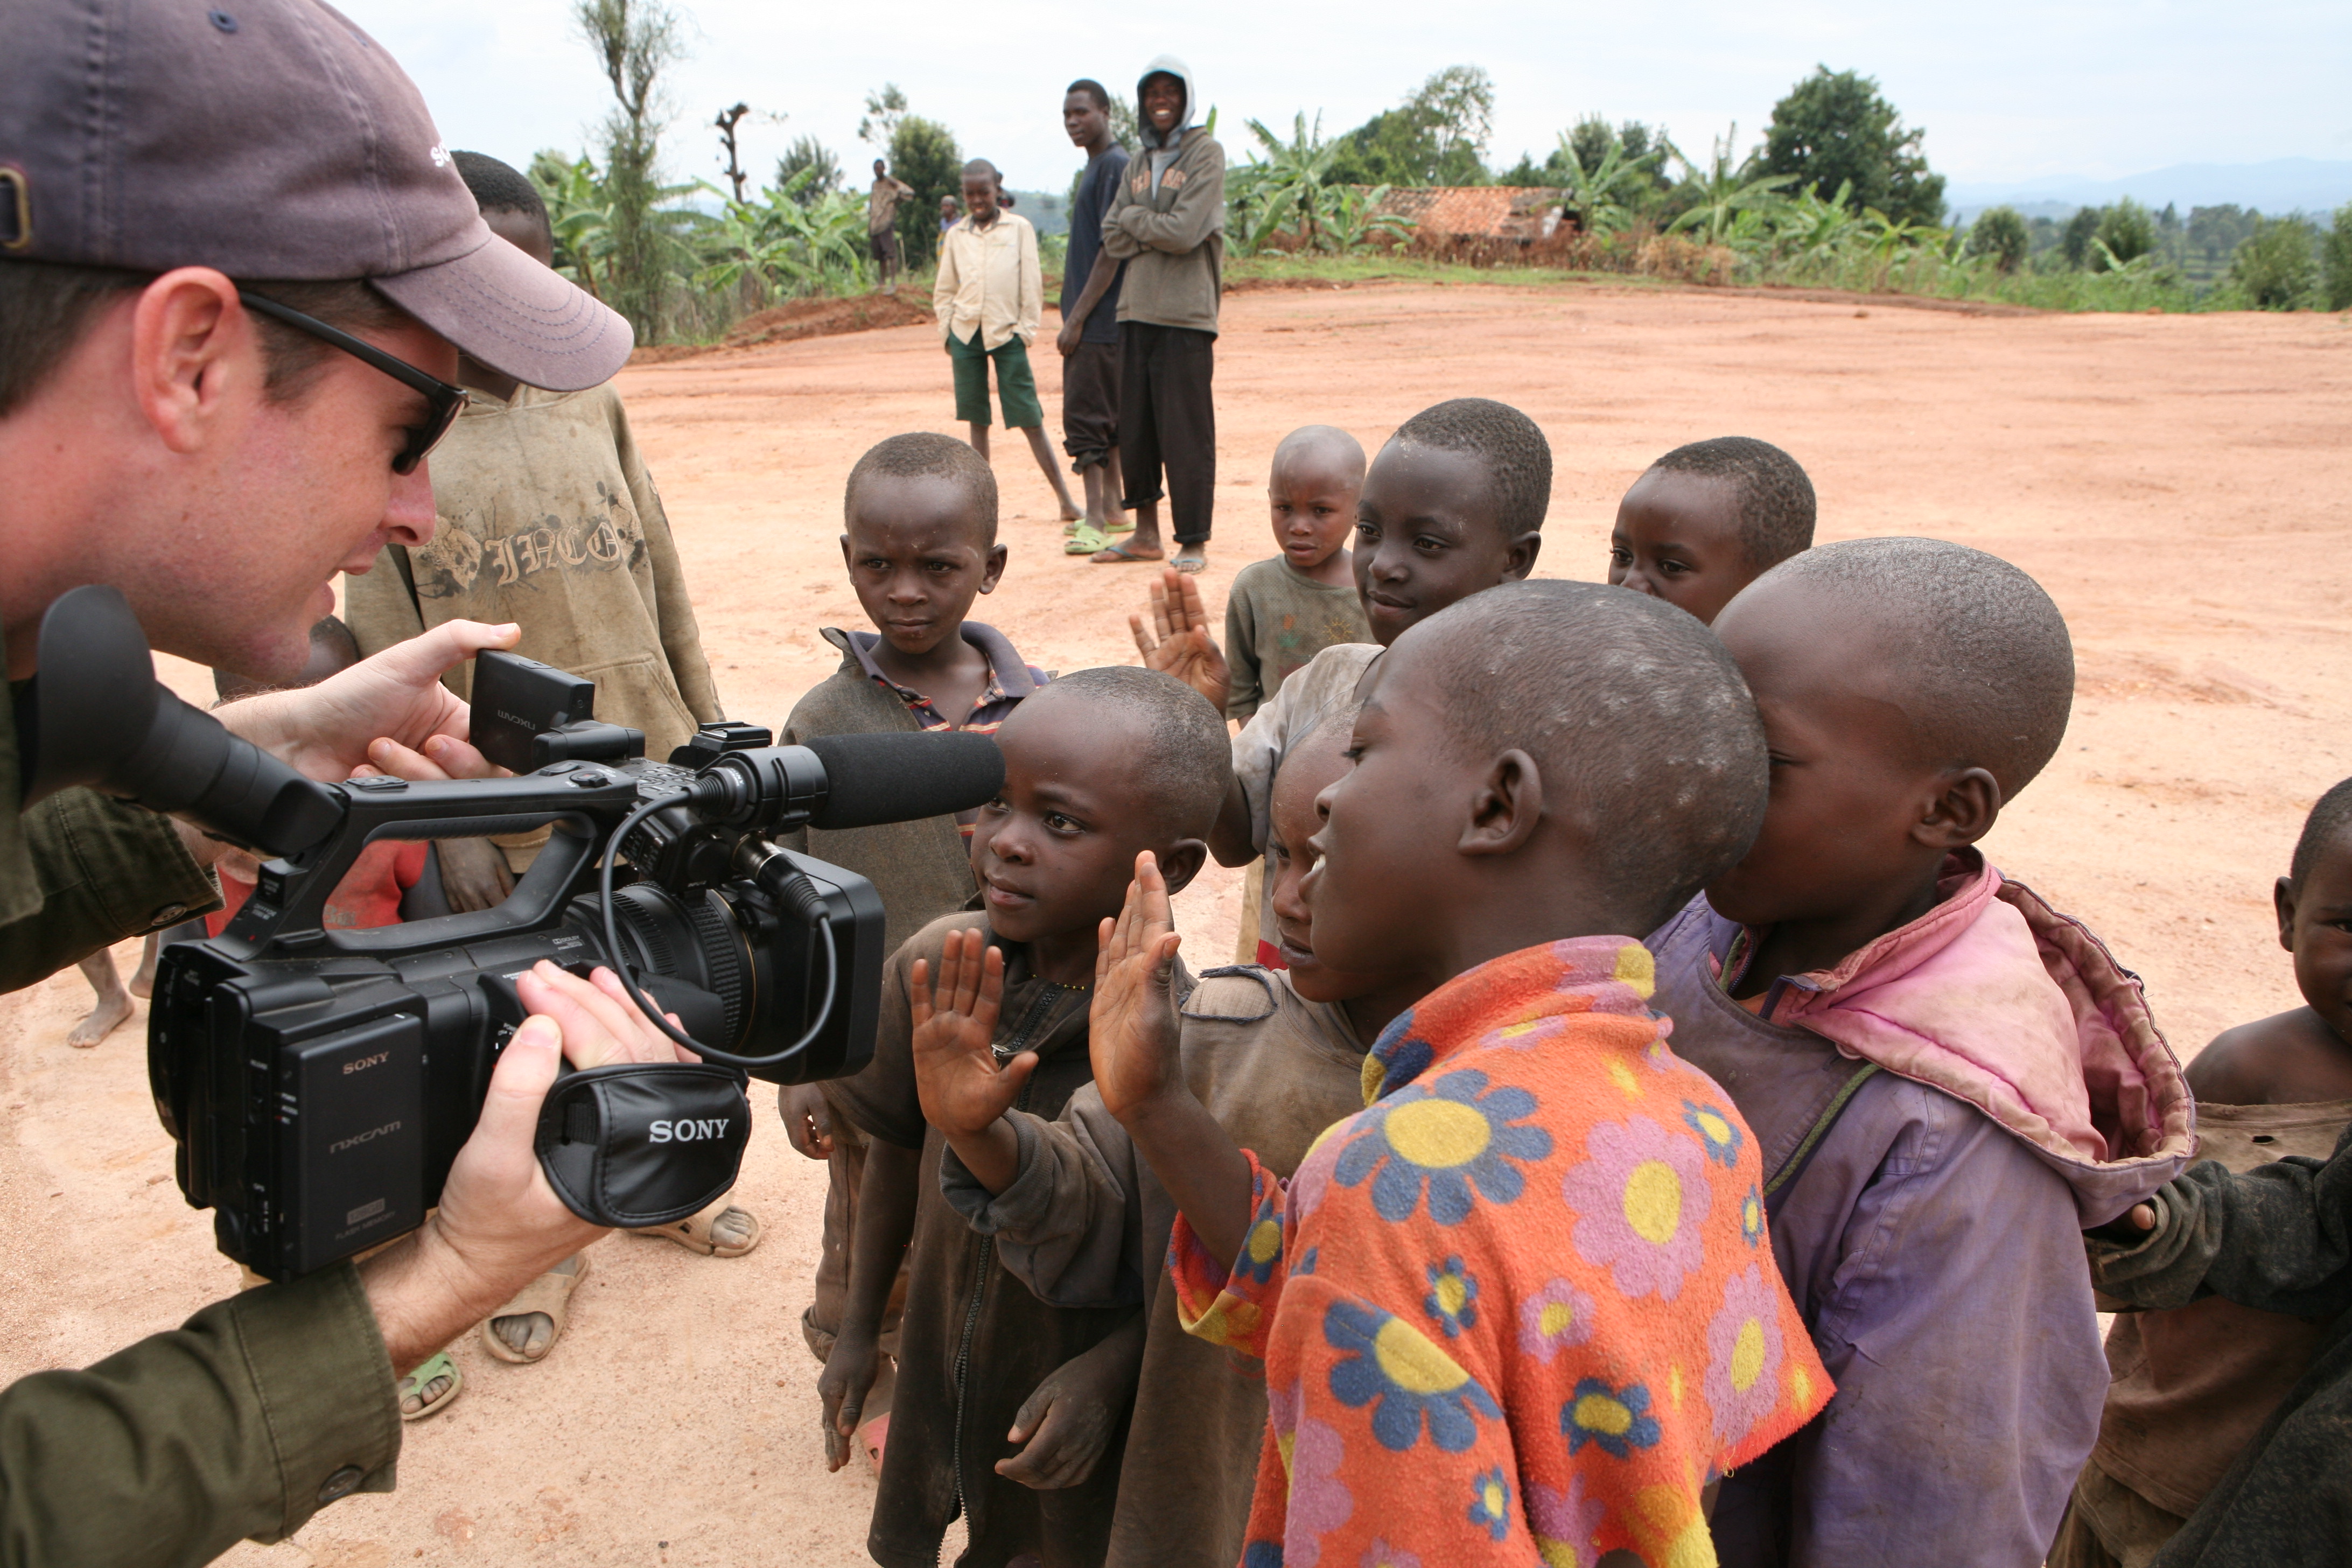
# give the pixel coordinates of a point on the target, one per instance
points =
(1596, 196)
(1290, 185)
(1353, 220)
(1727, 188)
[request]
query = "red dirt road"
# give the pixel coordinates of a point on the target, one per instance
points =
(2179, 483)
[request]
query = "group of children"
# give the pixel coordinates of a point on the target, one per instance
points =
(1642, 1126)
(1642, 1122)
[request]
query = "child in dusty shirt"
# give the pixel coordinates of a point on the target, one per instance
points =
(1282, 612)
(1708, 519)
(1454, 505)
(920, 515)
(2195, 1383)
(979, 1357)
(1276, 1058)
(1948, 1079)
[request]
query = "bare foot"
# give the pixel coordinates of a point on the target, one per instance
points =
(532, 1335)
(1190, 559)
(1071, 513)
(111, 1010)
(733, 1228)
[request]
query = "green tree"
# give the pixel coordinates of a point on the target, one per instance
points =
(2336, 261)
(2275, 266)
(808, 155)
(2000, 233)
(2074, 239)
(637, 40)
(1835, 127)
(2127, 231)
(885, 107)
(1600, 179)
(1436, 137)
(924, 155)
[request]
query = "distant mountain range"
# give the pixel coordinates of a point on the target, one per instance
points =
(2279, 185)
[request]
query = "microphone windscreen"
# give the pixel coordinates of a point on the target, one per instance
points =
(903, 777)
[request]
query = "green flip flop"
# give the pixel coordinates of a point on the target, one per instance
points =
(414, 1385)
(1085, 541)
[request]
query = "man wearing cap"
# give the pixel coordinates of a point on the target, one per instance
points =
(235, 273)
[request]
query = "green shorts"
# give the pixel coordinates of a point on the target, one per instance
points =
(1015, 387)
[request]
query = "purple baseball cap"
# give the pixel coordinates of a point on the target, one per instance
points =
(270, 139)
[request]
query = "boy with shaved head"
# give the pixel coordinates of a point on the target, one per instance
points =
(1519, 1309)
(1948, 1079)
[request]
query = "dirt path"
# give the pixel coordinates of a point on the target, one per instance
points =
(2179, 483)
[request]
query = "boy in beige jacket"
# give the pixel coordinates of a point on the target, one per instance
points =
(989, 298)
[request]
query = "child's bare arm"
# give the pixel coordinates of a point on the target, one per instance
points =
(1098, 281)
(1133, 1036)
(886, 1222)
(1066, 1426)
(964, 1092)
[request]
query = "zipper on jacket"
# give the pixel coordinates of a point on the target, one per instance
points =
(1030, 1022)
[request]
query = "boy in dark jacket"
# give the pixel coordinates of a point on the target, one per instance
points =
(920, 546)
(1053, 852)
(1168, 224)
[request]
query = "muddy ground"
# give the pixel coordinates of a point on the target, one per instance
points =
(2179, 484)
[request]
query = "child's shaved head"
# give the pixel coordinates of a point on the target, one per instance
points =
(2331, 817)
(927, 454)
(1636, 717)
(1184, 758)
(1508, 445)
(1324, 442)
(1775, 505)
(1978, 647)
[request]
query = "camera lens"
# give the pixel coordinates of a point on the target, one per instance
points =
(693, 942)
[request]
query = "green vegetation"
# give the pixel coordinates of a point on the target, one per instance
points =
(1436, 137)
(1286, 197)
(2000, 233)
(1834, 130)
(2336, 261)
(637, 40)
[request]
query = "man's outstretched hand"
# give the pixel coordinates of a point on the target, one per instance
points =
(326, 730)
(964, 1091)
(1179, 640)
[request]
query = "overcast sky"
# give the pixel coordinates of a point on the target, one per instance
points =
(2008, 90)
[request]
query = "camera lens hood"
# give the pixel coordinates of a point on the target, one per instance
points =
(645, 1143)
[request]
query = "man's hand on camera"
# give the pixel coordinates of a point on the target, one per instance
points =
(327, 730)
(473, 873)
(499, 1224)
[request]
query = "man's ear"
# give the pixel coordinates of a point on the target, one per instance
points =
(1965, 808)
(997, 556)
(2283, 898)
(1181, 862)
(1506, 807)
(194, 354)
(1521, 559)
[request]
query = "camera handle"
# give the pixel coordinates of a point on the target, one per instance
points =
(286, 915)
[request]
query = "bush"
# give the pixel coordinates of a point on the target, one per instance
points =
(2000, 233)
(2336, 261)
(924, 155)
(2274, 267)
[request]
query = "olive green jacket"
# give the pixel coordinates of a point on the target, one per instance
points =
(261, 1409)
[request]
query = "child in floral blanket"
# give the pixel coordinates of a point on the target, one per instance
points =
(1521, 1308)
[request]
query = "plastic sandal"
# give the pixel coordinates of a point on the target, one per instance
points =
(693, 1233)
(1085, 540)
(1115, 554)
(413, 1387)
(550, 1293)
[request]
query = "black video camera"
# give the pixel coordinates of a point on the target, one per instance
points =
(319, 1081)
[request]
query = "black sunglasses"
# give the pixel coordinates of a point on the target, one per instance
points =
(443, 402)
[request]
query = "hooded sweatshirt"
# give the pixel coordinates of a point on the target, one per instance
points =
(1168, 220)
(2002, 1087)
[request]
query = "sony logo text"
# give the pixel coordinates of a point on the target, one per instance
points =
(688, 1132)
(366, 1062)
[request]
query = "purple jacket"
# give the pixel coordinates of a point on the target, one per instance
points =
(1932, 1238)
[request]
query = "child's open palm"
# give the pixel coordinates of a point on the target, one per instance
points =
(1179, 640)
(1132, 1029)
(962, 1088)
